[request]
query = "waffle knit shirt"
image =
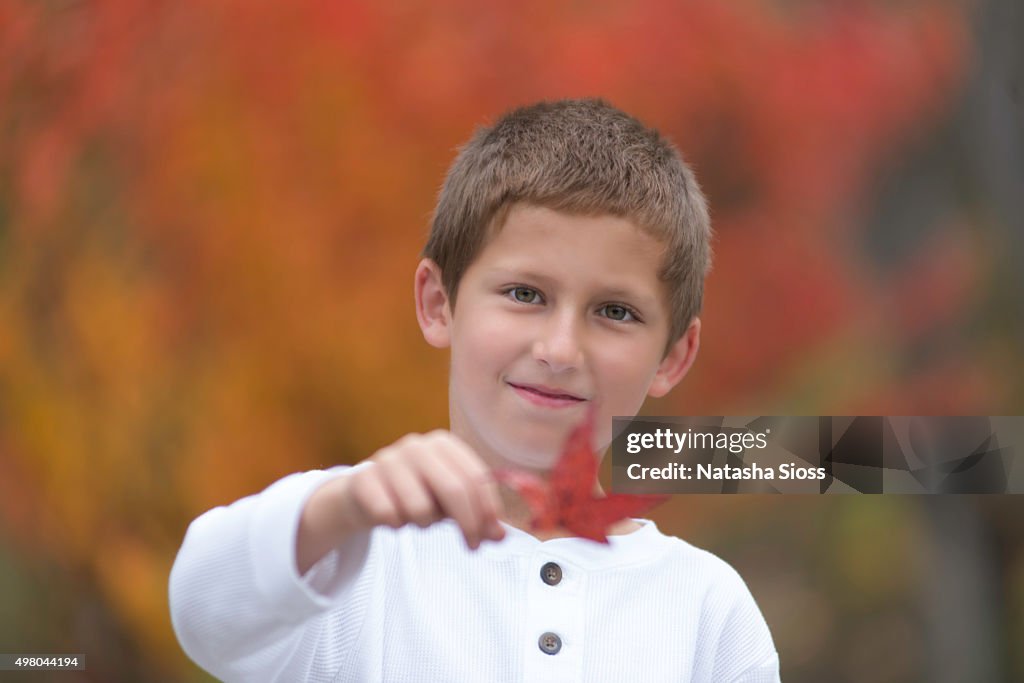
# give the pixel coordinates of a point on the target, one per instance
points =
(417, 605)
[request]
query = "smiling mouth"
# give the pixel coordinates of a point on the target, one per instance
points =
(546, 396)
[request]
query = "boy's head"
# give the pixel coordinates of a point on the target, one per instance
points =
(580, 157)
(576, 241)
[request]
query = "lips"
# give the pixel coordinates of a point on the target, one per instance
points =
(545, 395)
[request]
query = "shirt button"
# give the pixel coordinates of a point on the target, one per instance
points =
(550, 643)
(551, 574)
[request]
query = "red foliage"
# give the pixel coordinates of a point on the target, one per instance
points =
(567, 500)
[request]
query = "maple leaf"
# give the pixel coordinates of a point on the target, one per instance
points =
(567, 499)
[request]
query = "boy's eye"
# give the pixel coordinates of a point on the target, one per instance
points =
(617, 312)
(524, 295)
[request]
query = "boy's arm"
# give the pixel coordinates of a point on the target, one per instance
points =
(238, 604)
(745, 651)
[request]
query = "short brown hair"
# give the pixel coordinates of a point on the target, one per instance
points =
(581, 157)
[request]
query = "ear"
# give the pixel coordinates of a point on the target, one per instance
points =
(677, 362)
(432, 310)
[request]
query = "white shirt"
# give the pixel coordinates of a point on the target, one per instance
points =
(417, 605)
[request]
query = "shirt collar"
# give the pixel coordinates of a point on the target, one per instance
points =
(637, 547)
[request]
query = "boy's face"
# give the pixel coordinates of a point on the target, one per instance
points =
(557, 313)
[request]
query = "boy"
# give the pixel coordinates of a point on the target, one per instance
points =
(564, 270)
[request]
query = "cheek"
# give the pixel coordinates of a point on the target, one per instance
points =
(623, 381)
(625, 378)
(483, 347)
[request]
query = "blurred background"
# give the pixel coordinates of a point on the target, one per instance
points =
(210, 214)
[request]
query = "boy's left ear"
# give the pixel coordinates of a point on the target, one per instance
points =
(432, 310)
(678, 361)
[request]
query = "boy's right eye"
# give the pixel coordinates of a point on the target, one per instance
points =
(524, 295)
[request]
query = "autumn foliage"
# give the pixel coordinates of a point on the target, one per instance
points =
(210, 214)
(566, 498)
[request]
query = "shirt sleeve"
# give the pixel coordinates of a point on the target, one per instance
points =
(764, 672)
(745, 651)
(238, 605)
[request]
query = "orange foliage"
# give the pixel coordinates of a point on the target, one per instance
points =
(210, 217)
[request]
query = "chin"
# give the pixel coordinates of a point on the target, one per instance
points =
(530, 456)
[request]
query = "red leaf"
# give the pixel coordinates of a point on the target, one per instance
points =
(567, 501)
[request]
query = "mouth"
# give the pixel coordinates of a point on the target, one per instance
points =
(549, 397)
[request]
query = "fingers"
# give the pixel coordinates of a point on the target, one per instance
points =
(421, 479)
(482, 486)
(462, 485)
(413, 500)
(371, 501)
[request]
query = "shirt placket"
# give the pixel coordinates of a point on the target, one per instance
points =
(553, 635)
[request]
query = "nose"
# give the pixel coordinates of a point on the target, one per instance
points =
(559, 344)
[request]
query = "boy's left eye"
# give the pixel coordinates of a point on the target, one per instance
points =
(617, 312)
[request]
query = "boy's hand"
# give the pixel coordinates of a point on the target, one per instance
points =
(420, 479)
